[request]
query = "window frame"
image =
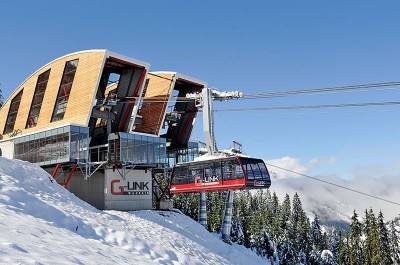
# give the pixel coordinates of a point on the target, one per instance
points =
(37, 99)
(14, 108)
(66, 82)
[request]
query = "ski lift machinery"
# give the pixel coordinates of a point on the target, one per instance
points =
(218, 171)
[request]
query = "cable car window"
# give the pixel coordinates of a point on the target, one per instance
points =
(238, 171)
(195, 173)
(212, 171)
(264, 170)
(249, 172)
(228, 170)
(180, 176)
(256, 171)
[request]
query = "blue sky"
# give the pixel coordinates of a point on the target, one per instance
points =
(251, 46)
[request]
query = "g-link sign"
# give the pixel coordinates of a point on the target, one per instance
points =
(131, 188)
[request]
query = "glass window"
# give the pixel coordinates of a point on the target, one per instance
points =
(124, 148)
(12, 113)
(52, 147)
(195, 173)
(131, 149)
(37, 99)
(228, 169)
(181, 176)
(213, 171)
(64, 90)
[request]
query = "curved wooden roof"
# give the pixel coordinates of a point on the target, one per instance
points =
(81, 98)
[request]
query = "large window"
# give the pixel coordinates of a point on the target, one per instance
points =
(12, 113)
(65, 144)
(138, 149)
(37, 99)
(64, 90)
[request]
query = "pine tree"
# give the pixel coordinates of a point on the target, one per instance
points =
(316, 234)
(342, 255)
(237, 235)
(215, 210)
(371, 242)
(275, 205)
(246, 215)
(384, 244)
(299, 232)
(275, 211)
(188, 203)
(285, 214)
(356, 255)
(333, 241)
(394, 243)
(304, 238)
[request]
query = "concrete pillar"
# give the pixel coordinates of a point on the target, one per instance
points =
(227, 224)
(203, 209)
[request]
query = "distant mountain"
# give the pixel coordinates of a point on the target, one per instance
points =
(333, 205)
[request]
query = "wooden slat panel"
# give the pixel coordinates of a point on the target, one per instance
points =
(159, 89)
(80, 100)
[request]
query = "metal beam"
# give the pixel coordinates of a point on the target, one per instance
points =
(103, 114)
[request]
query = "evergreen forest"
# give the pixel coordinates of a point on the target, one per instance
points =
(282, 233)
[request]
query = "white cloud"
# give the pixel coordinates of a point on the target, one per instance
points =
(313, 163)
(286, 162)
(334, 201)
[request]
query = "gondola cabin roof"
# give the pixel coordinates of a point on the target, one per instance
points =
(227, 173)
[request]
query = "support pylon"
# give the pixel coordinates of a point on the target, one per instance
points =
(227, 224)
(203, 209)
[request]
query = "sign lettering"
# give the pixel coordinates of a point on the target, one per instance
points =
(206, 181)
(131, 188)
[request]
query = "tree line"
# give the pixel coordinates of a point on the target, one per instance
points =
(282, 232)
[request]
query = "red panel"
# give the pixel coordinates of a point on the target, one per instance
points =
(189, 120)
(125, 62)
(130, 105)
(55, 171)
(70, 176)
(212, 186)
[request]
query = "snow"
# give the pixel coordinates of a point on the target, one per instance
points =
(325, 254)
(220, 154)
(43, 223)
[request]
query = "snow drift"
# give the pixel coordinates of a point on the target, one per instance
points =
(42, 223)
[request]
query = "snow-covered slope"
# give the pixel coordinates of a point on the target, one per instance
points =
(42, 223)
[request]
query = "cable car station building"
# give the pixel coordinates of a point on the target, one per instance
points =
(101, 125)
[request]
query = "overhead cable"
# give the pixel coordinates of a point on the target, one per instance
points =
(313, 106)
(336, 185)
(381, 86)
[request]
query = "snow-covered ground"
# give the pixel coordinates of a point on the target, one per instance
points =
(42, 223)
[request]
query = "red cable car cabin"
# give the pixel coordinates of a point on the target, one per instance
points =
(220, 174)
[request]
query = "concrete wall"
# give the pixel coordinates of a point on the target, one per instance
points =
(7, 149)
(110, 191)
(132, 193)
(90, 190)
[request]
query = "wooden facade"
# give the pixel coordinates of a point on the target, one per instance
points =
(155, 101)
(82, 95)
(165, 94)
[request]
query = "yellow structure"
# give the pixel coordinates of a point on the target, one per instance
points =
(65, 91)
